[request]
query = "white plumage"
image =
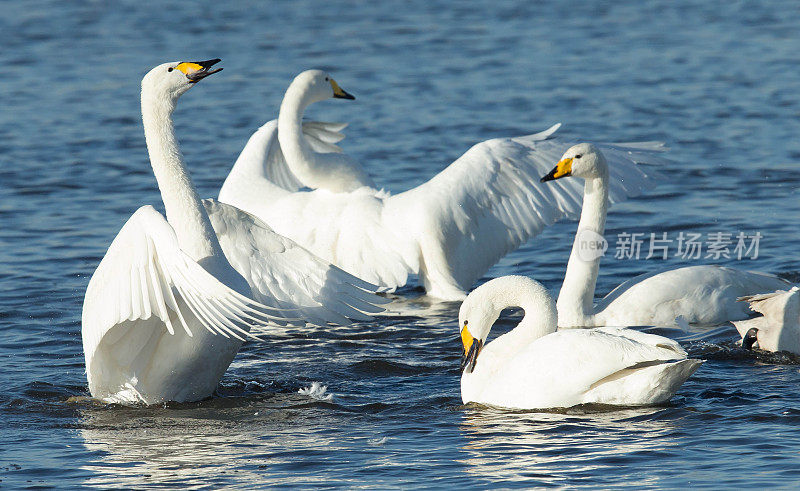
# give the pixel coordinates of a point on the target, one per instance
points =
(703, 295)
(172, 300)
(449, 230)
(778, 328)
(535, 367)
(318, 162)
(700, 294)
(285, 275)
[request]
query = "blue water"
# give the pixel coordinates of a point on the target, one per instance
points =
(717, 81)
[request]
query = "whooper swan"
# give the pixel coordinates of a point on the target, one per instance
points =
(172, 300)
(449, 231)
(534, 367)
(701, 294)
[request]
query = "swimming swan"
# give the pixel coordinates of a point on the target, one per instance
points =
(701, 294)
(172, 300)
(778, 329)
(534, 367)
(449, 231)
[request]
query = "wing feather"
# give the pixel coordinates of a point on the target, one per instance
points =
(144, 274)
(285, 275)
(262, 155)
(493, 197)
(323, 137)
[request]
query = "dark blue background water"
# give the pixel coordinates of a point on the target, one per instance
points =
(718, 81)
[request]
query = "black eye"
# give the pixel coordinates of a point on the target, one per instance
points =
(169, 69)
(578, 156)
(327, 79)
(465, 323)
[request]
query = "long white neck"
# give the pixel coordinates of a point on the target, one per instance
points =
(483, 306)
(576, 298)
(298, 154)
(185, 212)
(540, 316)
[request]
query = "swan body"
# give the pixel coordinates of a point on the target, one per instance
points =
(534, 367)
(173, 298)
(448, 231)
(778, 328)
(700, 294)
(704, 295)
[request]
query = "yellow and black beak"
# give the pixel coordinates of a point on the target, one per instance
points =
(198, 70)
(472, 348)
(339, 93)
(562, 169)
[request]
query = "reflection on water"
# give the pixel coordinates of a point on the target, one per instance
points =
(716, 80)
(575, 446)
(235, 440)
(289, 438)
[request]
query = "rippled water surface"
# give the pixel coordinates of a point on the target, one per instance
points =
(718, 81)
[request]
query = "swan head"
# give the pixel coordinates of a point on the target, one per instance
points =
(317, 85)
(582, 160)
(483, 306)
(750, 338)
(475, 321)
(171, 80)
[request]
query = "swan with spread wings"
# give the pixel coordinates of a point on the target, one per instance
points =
(449, 231)
(174, 298)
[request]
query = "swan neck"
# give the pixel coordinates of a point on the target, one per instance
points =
(183, 207)
(576, 298)
(539, 317)
(296, 150)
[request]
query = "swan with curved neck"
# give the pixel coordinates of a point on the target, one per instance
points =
(332, 171)
(701, 294)
(533, 366)
(447, 231)
(166, 310)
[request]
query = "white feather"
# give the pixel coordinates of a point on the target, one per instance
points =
(778, 328)
(535, 367)
(171, 302)
(449, 230)
(699, 294)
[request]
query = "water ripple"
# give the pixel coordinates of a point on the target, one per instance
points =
(717, 81)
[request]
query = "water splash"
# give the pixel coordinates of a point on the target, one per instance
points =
(317, 391)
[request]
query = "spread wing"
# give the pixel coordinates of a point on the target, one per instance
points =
(285, 275)
(262, 154)
(146, 274)
(490, 201)
(323, 137)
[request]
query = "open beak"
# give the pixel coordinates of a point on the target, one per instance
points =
(339, 93)
(472, 348)
(198, 70)
(750, 338)
(562, 169)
